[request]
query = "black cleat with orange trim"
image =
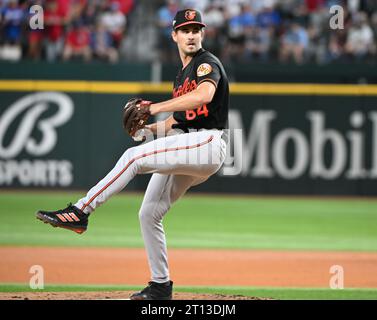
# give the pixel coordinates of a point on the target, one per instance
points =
(155, 291)
(71, 218)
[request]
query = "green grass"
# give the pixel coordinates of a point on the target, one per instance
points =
(274, 293)
(201, 222)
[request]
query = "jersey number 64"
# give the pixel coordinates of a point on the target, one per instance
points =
(192, 114)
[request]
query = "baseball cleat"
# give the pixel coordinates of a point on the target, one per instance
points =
(155, 291)
(71, 218)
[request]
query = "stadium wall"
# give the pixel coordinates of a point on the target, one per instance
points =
(285, 138)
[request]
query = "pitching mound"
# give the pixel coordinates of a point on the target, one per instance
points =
(113, 295)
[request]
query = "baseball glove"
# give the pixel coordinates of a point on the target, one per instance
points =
(135, 115)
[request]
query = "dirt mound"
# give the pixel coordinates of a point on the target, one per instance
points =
(113, 295)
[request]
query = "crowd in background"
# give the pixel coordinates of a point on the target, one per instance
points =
(281, 30)
(237, 30)
(82, 29)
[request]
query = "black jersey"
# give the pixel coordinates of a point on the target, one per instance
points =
(204, 66)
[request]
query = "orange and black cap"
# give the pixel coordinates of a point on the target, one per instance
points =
(187, 16)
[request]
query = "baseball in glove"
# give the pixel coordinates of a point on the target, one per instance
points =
(135, 115)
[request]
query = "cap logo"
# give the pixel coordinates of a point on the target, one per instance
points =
(190, 15)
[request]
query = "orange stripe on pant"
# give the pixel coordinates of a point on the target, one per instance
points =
(143, 156)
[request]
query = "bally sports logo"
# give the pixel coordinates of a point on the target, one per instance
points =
(17, 124)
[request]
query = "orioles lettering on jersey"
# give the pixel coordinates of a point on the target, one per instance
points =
(185, 88)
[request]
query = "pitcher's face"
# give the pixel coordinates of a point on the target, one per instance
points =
(188, 38)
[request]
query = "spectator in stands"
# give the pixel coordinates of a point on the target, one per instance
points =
(294, 43)
(336, 45)
(101, 44)
(318, 32)
(77, 43)
(215, 33)
(232, 8)
(360, 39)
(90, 14)
(258, 43)
(55, 20)
(353, 6)
(13, 17)
(114, 22)
(287, 7)
(314, 5)
(319, 19)
(268, 17)
(64, 7)
(125, 6)
(214, 17)
(369, 6)
(237, 27)
(76, 9)
(166, 46)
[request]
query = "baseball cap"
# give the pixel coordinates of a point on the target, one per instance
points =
(187, 16)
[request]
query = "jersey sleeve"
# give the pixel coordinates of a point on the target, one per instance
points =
(208, 71)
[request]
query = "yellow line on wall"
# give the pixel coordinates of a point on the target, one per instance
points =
(112, 87)
(303, 89)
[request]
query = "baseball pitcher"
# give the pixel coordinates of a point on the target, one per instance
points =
(177, 161)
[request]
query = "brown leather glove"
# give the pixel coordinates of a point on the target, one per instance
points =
(135, 115)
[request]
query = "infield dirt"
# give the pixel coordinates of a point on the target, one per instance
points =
(125, 266)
